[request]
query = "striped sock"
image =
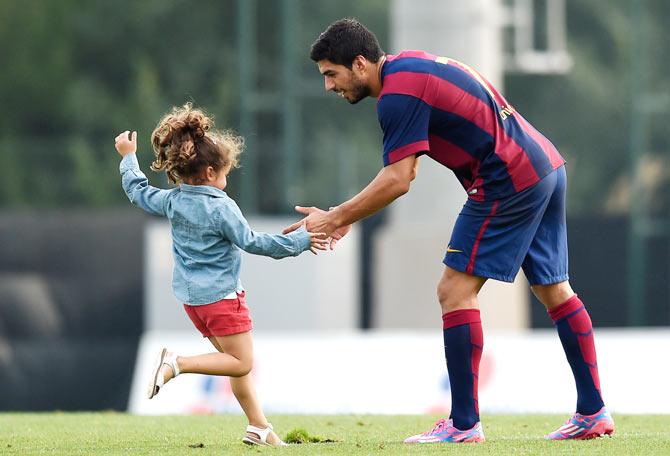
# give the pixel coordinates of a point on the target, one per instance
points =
(463, 343)
(576, 333)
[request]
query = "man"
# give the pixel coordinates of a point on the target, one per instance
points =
(514, 215)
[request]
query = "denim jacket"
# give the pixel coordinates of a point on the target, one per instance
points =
(208, 231)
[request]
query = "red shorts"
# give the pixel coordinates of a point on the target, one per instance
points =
(221, 318)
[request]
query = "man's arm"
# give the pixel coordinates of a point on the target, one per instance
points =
(392, 182)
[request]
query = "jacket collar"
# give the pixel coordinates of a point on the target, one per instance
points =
(203, 189)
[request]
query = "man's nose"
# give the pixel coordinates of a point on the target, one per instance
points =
(329, 84)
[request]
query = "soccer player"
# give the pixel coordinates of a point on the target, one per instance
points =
(514, 216)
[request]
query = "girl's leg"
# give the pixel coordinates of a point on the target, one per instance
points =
(234, 359)
(243, 386)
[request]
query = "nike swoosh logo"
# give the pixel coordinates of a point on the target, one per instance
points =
(450, 250)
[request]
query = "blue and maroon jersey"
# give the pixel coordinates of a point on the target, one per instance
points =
(444, 109)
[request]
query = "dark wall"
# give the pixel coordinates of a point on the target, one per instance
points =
(598, 273)
(70, 309)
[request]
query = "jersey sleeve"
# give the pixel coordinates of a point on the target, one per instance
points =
(404, 119)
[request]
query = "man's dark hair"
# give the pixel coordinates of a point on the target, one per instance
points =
(343, 40)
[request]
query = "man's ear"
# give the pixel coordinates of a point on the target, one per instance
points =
(359, 63)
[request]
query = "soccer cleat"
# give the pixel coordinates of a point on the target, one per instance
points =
(583, 427)
(445, 432)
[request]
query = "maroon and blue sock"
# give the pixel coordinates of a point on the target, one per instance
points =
(463, 344)
(576, 332)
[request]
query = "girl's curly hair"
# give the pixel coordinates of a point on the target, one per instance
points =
(185, 144)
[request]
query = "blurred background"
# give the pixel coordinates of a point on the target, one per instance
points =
(85, 277)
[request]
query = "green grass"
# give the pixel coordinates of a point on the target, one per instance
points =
(121, 434)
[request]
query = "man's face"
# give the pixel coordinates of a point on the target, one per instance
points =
(343, 81)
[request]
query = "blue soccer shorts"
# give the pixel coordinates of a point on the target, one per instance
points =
(495, 238)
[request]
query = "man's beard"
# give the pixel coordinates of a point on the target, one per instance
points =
(358, 93)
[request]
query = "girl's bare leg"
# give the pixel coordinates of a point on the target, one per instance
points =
(235, 360)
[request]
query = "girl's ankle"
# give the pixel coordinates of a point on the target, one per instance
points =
(259, 424)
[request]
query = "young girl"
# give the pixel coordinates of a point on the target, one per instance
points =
(208, 231)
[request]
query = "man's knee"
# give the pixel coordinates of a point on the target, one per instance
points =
(457, 290)
(553, 295)
(447, 288)
(442, 292)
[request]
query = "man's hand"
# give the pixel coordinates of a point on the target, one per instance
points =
(126, 143)
(338, 234)
(319, 218)
(391, 182)
(317, 221)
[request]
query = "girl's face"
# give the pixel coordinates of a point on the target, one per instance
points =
(217, 179)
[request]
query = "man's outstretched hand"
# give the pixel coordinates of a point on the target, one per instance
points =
(338, 234)
(315, 218)
(319, 221)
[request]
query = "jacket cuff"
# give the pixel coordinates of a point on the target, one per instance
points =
(128, 162)
(301, 240)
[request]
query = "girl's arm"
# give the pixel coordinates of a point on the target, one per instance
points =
(236, 229)
(134, 182)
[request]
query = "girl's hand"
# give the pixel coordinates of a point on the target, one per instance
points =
(317, 241)
(126, 143)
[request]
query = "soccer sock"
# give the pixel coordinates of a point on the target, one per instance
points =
(576, 332)
(463, 343)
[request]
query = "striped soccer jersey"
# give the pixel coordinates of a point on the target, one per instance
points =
(443, 108)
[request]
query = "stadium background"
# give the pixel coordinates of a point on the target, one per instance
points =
(82, 279)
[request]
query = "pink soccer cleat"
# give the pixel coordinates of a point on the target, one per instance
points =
(445, 432)
(583, 427)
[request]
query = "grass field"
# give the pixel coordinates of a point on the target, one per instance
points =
(121, 434)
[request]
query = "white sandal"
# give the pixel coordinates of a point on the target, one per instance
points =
(157, 381)
(259, 436)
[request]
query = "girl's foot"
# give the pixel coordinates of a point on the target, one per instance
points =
(166, 368)
(262, 436)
